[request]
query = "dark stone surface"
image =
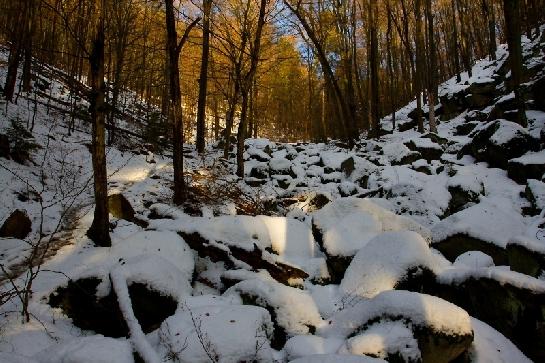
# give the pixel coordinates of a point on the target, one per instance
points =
(17, 225)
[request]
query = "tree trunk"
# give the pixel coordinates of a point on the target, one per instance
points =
(203, 78)
(373, 61)
(432, 73)
(246, 87)
(99, 231)
(419, 63)
(513, 32)
(175, 105)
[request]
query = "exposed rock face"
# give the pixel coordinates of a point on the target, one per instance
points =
(521, 171)
(348, 167)
(119, 207)
(430, 151)
(524, 260)
(233, 255)
(499, 141)
(17, 225)
(102, 315)
(460, 243)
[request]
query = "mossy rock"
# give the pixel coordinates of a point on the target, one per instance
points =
(79, 302)
(525, 261)
(453, 246)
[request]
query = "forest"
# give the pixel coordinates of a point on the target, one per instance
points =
(272, 181)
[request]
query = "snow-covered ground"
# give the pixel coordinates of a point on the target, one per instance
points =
(313, 281)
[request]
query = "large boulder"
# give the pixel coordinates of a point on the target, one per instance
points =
(481, 94)
(499, 141)
(120, 207)
(17, 225)
(442, 330)
(427, 148)
(529, 166)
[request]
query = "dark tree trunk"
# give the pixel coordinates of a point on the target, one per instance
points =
(432, 63)
(247, 85)
(373, 62)
(419, 63)
(513, 32)
(455, 46)
(99, 231)
(203, 78)
(175, 94)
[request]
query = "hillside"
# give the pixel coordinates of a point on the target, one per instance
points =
(407, 248)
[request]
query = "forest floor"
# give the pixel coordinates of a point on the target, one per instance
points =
(406, 248)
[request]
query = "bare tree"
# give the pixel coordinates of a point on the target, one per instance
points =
(203, 79)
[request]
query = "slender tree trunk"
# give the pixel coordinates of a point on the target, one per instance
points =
(246, 86)
(513, 30)
(99, 231)
(432, 63)
(174, 49)
(455, 46)
(488, 10)
(203, 78)
(419, 63)
(373, 61)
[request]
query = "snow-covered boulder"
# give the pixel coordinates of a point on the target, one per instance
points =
(443, 330)
(528, 166)
(499, 141)
(385, 261)
(295, 312)
(390, 340)
(346, 225)
(220, 333)
(485, 227)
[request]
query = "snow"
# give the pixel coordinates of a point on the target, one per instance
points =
(502, 275)
(13, 251)
(348, 224)
(384, 261)
(295, 309)
(92, 349)
(387, 235)
(489, 346)
(335, 358)
(305, 345)
(490, 221)
(473, 260)
(506, 131)
(420, 309)
(384, 338)
(531, 158)
(223, 333)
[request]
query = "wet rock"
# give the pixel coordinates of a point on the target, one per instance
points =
(17, 225)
